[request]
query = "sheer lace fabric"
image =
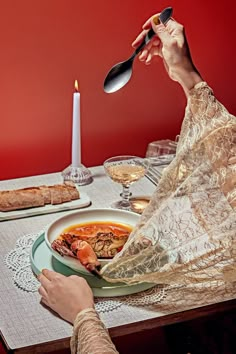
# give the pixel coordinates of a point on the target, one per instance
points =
(90, 335)
(187, 233)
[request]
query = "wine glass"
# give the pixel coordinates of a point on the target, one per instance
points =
(125, 170)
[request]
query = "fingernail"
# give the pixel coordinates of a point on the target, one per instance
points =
(156, 20)
(141, 57)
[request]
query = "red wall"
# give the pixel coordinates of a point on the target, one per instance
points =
(47, 44)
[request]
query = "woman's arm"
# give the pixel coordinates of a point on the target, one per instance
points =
(90, 335)
(72, 299)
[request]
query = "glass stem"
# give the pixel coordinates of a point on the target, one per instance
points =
(125, 196)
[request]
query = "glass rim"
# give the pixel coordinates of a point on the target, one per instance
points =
(124, 157)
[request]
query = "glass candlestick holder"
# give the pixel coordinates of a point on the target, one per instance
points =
(80, 175)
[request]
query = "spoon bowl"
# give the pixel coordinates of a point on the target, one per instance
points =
(121, 73)
(118, 76)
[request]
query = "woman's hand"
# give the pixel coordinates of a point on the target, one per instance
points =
(65, 295)
(171, 45)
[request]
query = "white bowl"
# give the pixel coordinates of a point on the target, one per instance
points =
(83, 216)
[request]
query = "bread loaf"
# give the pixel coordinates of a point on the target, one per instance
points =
(37, 196)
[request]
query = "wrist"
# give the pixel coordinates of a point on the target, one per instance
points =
(186, 76)
(189, 81)
(79, 314)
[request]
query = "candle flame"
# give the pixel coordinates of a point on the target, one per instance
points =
(76, 86)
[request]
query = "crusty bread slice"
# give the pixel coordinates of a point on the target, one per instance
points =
(46, 194)
(74, 193)
(65, 194)
(55, 195)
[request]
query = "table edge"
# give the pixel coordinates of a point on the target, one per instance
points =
(134, 327)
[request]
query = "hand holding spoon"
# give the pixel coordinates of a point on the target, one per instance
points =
(120, 74)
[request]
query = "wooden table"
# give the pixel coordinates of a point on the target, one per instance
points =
(28, 327)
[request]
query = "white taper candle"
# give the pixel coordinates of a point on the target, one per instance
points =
(76, 134)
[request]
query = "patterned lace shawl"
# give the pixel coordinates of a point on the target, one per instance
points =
(187, 234)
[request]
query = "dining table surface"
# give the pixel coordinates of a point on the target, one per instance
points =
(29, 327)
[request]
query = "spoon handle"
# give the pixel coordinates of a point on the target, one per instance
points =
(163, 18)
(145, 41)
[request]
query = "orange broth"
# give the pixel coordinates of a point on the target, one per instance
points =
(92, 227)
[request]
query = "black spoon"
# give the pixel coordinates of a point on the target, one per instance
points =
(120, 74)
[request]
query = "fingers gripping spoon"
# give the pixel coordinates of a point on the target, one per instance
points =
(120, 74)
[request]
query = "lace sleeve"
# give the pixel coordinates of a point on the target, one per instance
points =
(218, 136)
(190, 221)
(90, 335)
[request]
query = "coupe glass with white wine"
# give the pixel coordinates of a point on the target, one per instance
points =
(125, 170)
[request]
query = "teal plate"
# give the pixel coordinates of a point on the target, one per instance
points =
(41, 257)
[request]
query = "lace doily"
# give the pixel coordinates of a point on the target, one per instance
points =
(18, 260)
(144, 298)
